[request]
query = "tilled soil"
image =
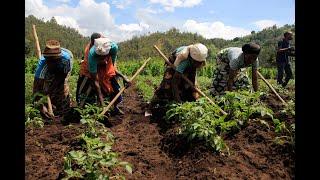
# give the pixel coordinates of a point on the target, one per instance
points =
(161, 154)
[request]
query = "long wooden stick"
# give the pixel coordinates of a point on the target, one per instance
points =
(38, 51)
(123, 88)
(188, 81)
(273, 90)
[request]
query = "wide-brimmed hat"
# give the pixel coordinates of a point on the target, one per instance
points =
(52, 49)
(199, 52)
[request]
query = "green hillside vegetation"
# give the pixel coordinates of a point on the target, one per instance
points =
(139, 47)
(142, 46)
(68, 37)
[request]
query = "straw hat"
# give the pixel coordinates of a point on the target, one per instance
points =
(52, 49)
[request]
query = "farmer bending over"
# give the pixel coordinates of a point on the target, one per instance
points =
(102, 72)
(186, 59)
(51, 78)
(84, 75)
(229, 74)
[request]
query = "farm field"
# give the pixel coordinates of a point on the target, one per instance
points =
(193, 141)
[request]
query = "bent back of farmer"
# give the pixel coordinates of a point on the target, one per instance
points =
(186, 59)
(102, 73)
(51, 78)
(229, 74)
(84, 75)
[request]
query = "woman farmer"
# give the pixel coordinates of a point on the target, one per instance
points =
(186, 59)
(229, 74)
(51, 78)
(84, 75)
(100, 74)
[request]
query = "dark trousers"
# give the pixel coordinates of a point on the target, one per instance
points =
(284, 67)
(92, 96)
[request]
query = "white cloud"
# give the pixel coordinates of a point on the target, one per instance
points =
(69, 22)
(63, 1)
(133, 27)
(121, 4)
(211, 12)
(170, 5)
(214, 29)
(191, 3)
(262, 24)
(151, 10)
(155, 23)
(87, 17)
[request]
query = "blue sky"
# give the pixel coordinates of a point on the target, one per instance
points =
(122, 19)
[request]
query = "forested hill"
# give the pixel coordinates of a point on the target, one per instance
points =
(139, 47)
(142, 47)
(69, 38)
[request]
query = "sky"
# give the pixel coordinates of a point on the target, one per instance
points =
(120, 20)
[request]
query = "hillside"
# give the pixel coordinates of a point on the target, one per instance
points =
(68, 37)
(142, 47)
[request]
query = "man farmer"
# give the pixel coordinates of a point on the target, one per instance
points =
(229, 74)
(51, 78)
(186, 59)
(100, 73)
(284, 50)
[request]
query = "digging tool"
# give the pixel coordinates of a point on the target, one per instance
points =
(123, 88)
(272, 89)
(38, 51)
(87, 94)
(188, 81)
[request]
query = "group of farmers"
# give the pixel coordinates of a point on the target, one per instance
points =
(98, 77)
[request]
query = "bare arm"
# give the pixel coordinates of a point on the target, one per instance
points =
(284, 49)
(98, 88)
(255, 79)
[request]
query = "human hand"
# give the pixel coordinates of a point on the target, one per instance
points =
(126, 83)
(46, 113)
(195, 95)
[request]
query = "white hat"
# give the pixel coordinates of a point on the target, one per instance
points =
(102, 46)
(199, 52)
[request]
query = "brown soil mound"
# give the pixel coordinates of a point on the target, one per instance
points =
(158, 154)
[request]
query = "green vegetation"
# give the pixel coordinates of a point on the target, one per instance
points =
(33, 117)
(68, 37)
(200, 120)
(95, 160)
(142, 46)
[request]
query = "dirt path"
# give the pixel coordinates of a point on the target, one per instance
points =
(159, 154)
(45, 148)
(138, 141)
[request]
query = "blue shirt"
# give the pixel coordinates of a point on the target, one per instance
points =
(93, 58)
(184, 64)
(283, 56)
(65, 64)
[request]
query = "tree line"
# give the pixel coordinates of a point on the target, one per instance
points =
(139, 47)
